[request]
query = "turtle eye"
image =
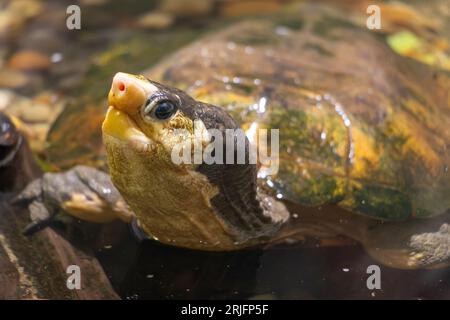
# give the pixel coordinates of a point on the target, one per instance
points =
(164, 110)
(159, 108)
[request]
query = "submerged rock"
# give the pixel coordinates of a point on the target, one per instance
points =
(32, 116)
(29, 60)
(187, 8)
(14, 15)
(13, 79)
(155, 20)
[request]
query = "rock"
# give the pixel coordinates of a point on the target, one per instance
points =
(37, 113)
(38, 136)
(43, 40)
(12, 79)
(92, 2)
(14, 14)
(6, 98)
(36, 267)
(155, 20)
(32, 117)
(26, 8)
(3, 53)
(247, 7)
(170, 10)
(29, 60)
(187, 8)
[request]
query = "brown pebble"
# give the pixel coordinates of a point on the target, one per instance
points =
(12, 79)
(28, 60)
(155, 20)
(187, 8)
(6, 98)
(247, 7)
(36, 113)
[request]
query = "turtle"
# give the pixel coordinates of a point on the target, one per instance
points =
(363, 141)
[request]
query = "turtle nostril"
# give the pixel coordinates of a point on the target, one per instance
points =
(121, 86)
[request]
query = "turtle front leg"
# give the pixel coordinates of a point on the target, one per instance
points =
(84, 193)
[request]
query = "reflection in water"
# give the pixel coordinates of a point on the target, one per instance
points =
(150, 270)
(156, 271)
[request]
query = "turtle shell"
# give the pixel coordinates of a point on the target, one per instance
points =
(360, 126)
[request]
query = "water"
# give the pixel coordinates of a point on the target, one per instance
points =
(151, 270)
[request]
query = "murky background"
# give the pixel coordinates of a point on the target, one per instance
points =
(47, 70)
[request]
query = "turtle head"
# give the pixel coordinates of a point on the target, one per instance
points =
(139, 133)
(144, 113)
(188, 204)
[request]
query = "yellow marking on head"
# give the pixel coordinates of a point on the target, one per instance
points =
(119, 125)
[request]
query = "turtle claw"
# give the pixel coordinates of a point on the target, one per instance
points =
(31, 192)
(31, 198)
(430, 248)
